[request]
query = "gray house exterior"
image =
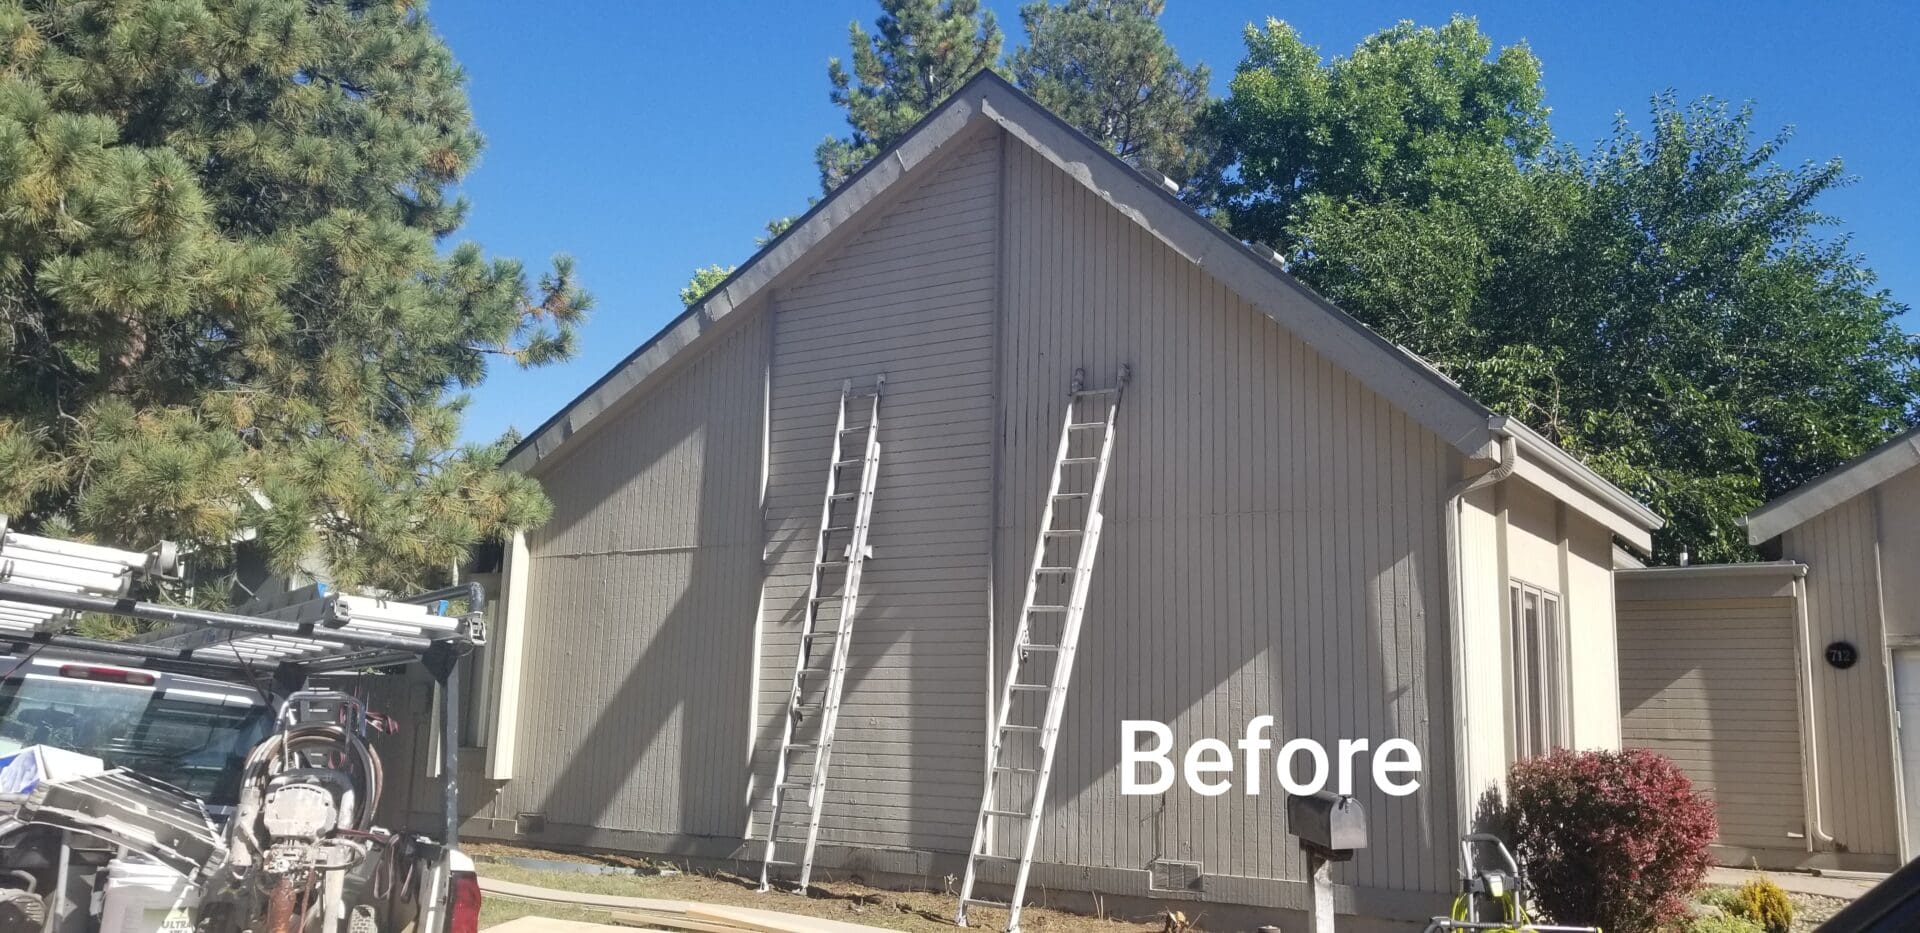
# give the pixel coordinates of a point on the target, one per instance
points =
(1290, 531)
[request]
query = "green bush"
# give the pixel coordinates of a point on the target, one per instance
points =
(1722, 923)
(1764, 903)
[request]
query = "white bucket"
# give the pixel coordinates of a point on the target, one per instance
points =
(147, 897)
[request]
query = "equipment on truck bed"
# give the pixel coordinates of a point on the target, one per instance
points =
(298, 851)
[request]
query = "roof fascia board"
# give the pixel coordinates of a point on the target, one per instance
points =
(1410, 383)
(1532, 473)
(1836, 486)
(1789, 568)
(1553, 458)
(827, 222)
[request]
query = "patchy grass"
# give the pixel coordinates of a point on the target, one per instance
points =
(845, 901)
(495, 910)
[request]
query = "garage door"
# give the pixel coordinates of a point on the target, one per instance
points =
(1710, 684)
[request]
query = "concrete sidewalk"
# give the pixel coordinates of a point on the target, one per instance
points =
(661, 914)
(1847, 888)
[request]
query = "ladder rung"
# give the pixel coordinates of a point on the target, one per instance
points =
(1056, 570)
(780, 864)
(1065, 532)
(831, 564)
(1039, 647)
(1010, 727)
(842, 463)
(844, 495)
(802, 746)
(1046, 609)
(853, 429)
(1070, 495)
(1080, 460)
(1086, 425)
(833, 634)
(1030, 687)
(985, 901)
(1013, 770)
(997, 858)
(833, 528)
(1008, 814)
(1086, 393)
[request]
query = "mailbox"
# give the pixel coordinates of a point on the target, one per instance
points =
(1329, 823)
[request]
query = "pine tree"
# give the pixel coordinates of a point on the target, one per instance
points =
(1106, 67)
(921, 51)
(223, 305)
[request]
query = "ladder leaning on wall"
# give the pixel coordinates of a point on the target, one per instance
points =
(813, 702)
(1020, 750)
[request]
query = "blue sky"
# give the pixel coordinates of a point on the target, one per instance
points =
(647, 139)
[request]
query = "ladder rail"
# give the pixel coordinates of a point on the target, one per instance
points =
(982, 831)
(808, 617)
(846, 604)
(1079, 586)
(856, 554)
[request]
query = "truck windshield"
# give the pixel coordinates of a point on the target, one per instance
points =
(194, 741)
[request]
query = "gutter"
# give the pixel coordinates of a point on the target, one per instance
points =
(1817, 838)
(1456, 611)
(1550, 456)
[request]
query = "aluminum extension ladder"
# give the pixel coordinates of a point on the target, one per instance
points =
(1062, 567)
(840, 550)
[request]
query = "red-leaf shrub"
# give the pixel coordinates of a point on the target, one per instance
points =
(1616, 839)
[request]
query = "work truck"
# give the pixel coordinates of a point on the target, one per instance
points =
(218, 773)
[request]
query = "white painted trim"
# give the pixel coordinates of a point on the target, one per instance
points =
(1834, 487)
(509, 641)
(1756, 569)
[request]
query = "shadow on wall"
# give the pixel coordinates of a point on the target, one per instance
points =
(643, 594)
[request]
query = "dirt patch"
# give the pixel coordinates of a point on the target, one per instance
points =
(846, 901)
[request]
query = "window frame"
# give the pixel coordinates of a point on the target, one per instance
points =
(1540, 674)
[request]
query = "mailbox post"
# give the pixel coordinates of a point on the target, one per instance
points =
(1329, 826)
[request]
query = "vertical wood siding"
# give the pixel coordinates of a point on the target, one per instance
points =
(1273, 545)
(911, 296)
(1843, 604)
(642, 606)
(1709, 682)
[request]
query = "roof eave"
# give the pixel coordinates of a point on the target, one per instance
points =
(1833, 487)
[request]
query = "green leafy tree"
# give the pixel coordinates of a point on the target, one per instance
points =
(1106, 67)
(223, 303)
(1667, 307)
(1414, 113)
(920, 52)
(703, 281)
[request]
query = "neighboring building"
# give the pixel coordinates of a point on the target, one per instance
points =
(1782, 686)
(1279, 539)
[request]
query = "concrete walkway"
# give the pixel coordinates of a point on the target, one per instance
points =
(679, 915)
(1849, 887)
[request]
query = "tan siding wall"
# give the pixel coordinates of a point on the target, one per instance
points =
(1273, 545)
(912, 296)
(1899, 506)
(1592, 638)
(1484, 630)
(641, 610)
(1843, 603)
(1709, 682)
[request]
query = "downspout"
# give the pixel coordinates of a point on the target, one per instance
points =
(1817, 838)
(1457, 611)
